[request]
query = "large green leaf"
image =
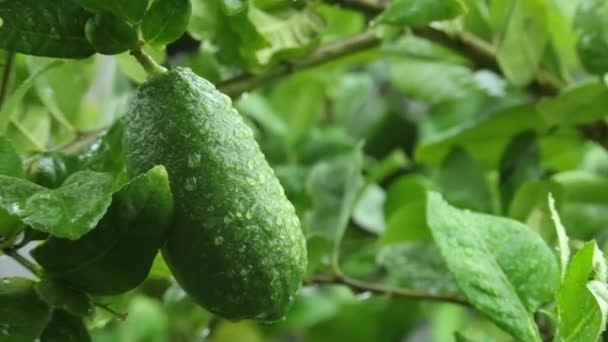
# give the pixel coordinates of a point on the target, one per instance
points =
(582, 304)
(580, 104)
(23, 315)
(503, 268)
(124, 244)
(522, 37)
(591, 27)
(416, 265)
(44, 28)
(109, 34)
(420, 12)
(69, 211)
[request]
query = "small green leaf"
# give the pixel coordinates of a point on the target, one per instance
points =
(23, 315)
(69, 211)
(519, 163)
(503, 267)
(63, 296)
(591, 27)
(44, 28)
(334, 186)
(109, 34)
(463, 183)
(65, 327)
(416, 265)
(581, 304)
(563, 246)
(124, 244)
(166, 21)
(420, 12)
(369, 210)
(523, 39)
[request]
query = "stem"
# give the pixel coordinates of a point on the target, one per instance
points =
(6, 76)
(147, 62)
(118, 315)
(361, 285)
(30, 266)
(240, 84)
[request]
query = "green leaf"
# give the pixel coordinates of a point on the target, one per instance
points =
(63, 296)
(166, 21)
(416, 265)
(109, 34)
(420, 12)
(563, 246)
(585, 203)
(495, 131)
(369, 210)
(52, 29)
(432, 81)
(65, 327)
(10, 106)
(10, 162)
(519, 163)
(530, 206)
(405, 210)
(333, 186)
(582, 304)
(124, 244)
(503, 268)
(10, 165)
(69, 211)
(463, 183)
(287, 34)
(591, 27)
(522, 39)
(584, 103)
(131, 11)
(23, 315)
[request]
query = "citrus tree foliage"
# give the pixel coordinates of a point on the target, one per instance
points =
(446, 161)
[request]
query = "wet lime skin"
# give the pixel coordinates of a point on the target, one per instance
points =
(236, 245)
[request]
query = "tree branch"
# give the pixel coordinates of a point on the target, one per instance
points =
(240, 84)
(364, 286)
(6, 76)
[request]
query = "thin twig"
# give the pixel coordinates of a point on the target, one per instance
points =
(361, 42)
(361, 285)
(118, 315)
(6, 76)
(30, 266)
